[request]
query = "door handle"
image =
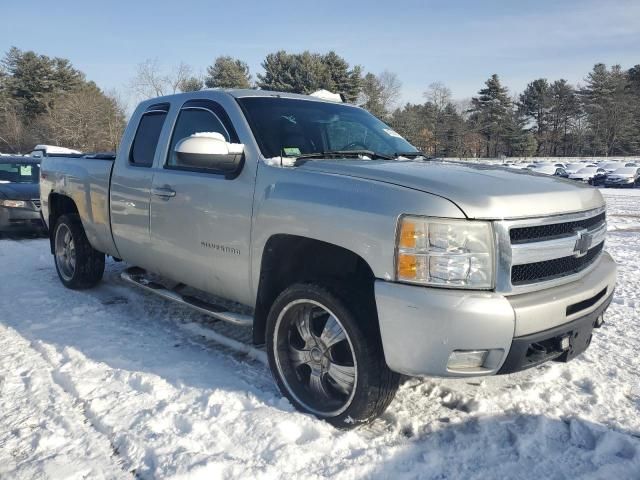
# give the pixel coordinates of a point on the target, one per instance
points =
(165, 192)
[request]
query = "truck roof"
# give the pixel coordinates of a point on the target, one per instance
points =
(234, 92)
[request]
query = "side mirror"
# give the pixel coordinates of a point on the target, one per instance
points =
(209, 150)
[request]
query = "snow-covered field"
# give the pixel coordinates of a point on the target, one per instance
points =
(115, 383)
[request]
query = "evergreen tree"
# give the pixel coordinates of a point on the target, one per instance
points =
(228, 72)
(535, 105)
(34, 80)
(606, 99)
(308, 72)
(491, 114)
(191, 84)
(342, 79)
(371, 95)
(563, 113)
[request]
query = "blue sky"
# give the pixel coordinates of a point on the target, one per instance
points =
(460, 43)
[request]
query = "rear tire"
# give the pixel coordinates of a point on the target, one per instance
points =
(326, 356)
(78, 264)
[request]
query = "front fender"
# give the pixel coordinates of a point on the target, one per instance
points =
(357, 214)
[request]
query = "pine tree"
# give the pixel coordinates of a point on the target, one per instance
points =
(191, 84)
(308, 72)
(34, 80)
(228, 72)
(606, 99)
(563, 111)
(371, 96)
(535, 105)
(491, 114)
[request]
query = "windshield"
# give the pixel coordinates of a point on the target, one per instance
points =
(626, 170)
(587, 170)
(293, 127)
(19, 173)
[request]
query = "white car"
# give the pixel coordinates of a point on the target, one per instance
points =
(623, 177)
(610, 167)
(574, 167)
(591, 175)
(550, 170)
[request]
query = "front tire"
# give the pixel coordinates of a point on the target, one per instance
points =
(326, 360)
(78, 264)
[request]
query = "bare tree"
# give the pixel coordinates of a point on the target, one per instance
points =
(390, 89)
(12, 129)
(439, 95)
(85, 119)
(152, 81)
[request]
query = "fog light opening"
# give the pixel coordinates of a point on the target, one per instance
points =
(467, 359)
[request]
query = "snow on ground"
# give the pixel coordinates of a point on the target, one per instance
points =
(115, 383)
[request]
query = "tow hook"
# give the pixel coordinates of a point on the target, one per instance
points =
(599, 321)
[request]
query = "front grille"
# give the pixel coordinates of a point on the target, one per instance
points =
(541, 233)
(551, 269)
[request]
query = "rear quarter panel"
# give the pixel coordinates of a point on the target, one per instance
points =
(86, 182)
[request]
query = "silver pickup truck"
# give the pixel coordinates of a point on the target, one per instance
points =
(351, 256)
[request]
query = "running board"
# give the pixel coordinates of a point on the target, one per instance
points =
(137, 276)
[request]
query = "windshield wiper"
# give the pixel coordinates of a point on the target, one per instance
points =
(342, 154)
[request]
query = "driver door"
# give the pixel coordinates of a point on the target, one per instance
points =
(200, 220)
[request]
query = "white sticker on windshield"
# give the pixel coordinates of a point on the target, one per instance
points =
(25, 170)
(392, 133)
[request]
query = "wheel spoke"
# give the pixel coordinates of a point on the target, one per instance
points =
(332, 333)
(67, 238)
(298, 357)
(316, 384)
(303, 324)
(343, 375)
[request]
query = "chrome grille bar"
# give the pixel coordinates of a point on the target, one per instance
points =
(544, 250)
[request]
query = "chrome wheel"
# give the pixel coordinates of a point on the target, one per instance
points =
(65, 252)
(315, 357)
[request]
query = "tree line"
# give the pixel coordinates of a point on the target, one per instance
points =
(47, 100)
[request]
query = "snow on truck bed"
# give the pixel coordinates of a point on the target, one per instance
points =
(115, 383)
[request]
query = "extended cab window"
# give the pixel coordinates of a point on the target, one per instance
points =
(146, 139)
(194, 120)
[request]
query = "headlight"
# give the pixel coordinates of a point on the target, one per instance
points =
(13, 203)
(441, 252)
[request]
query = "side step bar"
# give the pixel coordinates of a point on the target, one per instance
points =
(137, 276)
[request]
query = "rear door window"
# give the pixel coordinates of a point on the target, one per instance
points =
(146, 139)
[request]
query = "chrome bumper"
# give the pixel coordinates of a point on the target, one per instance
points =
(420, 327)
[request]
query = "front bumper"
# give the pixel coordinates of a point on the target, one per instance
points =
(20, 220)
(420, 327)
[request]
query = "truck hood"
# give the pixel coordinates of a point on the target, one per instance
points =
(480, 191)
(19, 191)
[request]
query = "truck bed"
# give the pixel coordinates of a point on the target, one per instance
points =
(86, 181)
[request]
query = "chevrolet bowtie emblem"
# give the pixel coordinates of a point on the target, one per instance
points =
(583, 242)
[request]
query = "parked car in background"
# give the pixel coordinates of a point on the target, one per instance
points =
(574, 167)
(20, 195)
(623, 177)
(610, 167)
(590, 175)
(550, 170)
(40, 151)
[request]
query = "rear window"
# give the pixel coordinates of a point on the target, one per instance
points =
(146, 139)
(19, 173)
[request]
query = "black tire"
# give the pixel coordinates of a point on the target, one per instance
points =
(374, 386)
(87, 267)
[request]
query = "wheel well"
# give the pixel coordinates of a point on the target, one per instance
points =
(58, 205)
(289, 259)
